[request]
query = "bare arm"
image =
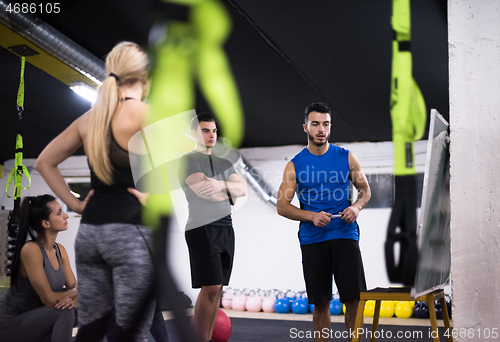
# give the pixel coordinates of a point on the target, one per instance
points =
(69, 277)
(32, 262)
(286, 193)
(350, 214)
(58, 150)
(234, 185)
(71, 301)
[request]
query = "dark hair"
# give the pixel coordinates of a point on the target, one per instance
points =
(202, 117)
(316, 107)
(34, 210)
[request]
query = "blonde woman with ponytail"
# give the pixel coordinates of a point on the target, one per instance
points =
(113, 263)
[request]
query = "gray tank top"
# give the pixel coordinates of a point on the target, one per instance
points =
(24, 298)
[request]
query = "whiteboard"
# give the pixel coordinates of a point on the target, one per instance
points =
(433, 268)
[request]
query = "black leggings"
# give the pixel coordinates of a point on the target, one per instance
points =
(41, 324)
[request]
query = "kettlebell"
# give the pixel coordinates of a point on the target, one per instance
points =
(404, 309)
(239, 300)
(253, 302)
(227, 298)
(300, 305)
(369, 308)
(269, 300)
(387, 308)
(282, 304)
(335, 306)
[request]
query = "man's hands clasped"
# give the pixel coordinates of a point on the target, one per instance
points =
(349, 215)
(321, 219)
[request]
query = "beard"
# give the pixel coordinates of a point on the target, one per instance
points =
(318, 143)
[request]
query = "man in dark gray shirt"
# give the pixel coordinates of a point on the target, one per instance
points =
(211, 186)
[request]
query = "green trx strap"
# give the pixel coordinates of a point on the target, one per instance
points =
(20, 92)
(408, 116)
(192, 51)
(408, 111)
(17, 171)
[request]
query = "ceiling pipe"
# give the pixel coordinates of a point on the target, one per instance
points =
(72, 54)
(54, 42)
(256, 182)
(252, 176)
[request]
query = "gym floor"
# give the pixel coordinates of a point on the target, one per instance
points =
(393, 321)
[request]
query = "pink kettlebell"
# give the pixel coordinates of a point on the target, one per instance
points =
(227, 298)
(253, 303)
(239, 300)
(269, 300)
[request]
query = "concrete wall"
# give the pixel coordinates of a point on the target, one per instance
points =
(474, 56)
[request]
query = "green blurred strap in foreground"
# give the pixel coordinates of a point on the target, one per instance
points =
(408, 112)
(408, 116)
(192, 51)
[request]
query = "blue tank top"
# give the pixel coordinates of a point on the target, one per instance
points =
(323, 185)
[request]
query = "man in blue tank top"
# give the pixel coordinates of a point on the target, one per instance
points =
(328, 231)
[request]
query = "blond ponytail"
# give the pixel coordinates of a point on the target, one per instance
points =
(128, 64)
(99, 123)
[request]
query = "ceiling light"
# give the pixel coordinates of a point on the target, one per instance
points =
(84, 90)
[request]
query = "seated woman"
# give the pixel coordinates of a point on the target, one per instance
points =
(41, 301)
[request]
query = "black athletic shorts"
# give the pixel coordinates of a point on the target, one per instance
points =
(211, 253)
(340, 257)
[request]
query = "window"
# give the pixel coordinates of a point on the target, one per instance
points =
(80, 187)
(383, 188)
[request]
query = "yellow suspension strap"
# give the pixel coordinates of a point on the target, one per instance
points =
(16, 173)
(192, 52)
(408, 116)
